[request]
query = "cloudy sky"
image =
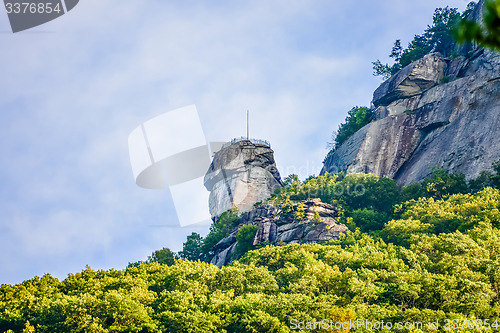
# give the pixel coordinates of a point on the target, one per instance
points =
(73, 89)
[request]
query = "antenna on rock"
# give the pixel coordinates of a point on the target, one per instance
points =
(248, 126)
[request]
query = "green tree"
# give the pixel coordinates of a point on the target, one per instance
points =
(316, 219)
(440, 34)
(438, 185)
(488, 34)
(396, 51)
(380, 69)
(300, 214)
(191, 249)
(417, 49)
(400, 232)
(482, 181)
(439, 37)
(412, 191)
(313, 187)
(29, 328)
(396, 54)
(441, 183)
(356, 118)
(290, 180)
(495, 178)
(221, 228)
(369, 220)
(449, 275)
(163, 256)
(367, 191)
(385, 70)
(244, 239)
(436, 38)
(455, 212)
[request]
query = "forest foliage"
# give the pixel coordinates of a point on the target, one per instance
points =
(432, 257)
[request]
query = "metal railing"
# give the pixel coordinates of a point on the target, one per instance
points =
(254, 141)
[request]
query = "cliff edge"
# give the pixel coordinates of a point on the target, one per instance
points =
(434, 112)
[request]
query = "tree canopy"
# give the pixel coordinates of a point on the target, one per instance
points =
(438, 37)
(411, 274)
(432, 257)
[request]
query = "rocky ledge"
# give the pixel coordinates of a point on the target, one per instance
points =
(435, 112)
(278, 228)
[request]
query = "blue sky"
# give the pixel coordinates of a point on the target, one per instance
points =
(73, 89)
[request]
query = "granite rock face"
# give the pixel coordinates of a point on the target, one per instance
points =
(412, 80)
(434, 112)
(278, 228)
(241, 174)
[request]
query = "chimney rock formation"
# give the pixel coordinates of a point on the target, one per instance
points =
(241, 174)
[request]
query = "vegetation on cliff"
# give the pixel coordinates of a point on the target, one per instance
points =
(438, 37)
(448, 28)
(356, 118)
(436, 257)
(421, 89)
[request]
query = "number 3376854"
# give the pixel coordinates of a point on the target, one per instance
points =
(32, 8)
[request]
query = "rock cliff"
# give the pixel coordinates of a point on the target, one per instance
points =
(241, 174)
(434, 112)
(276, 227)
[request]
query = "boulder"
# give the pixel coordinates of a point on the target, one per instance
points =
(266, 232)
(281, 229)
(224, 257)
(323, 232)
(412, 80)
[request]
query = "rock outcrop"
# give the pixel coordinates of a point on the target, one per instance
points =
(278, 228)
(241, 175)
(412, 80)
(434, 112)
